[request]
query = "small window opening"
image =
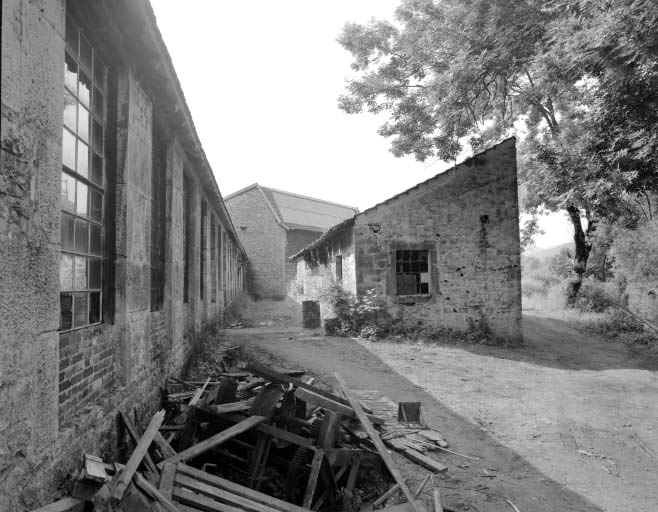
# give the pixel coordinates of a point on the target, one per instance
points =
(339, 268)
(412, 276)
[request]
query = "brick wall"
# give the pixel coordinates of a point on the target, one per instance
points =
(264, 241)
(61, 391)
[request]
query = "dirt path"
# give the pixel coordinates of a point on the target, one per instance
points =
(568, 423)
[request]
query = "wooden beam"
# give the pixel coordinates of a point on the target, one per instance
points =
(424, 460)
(221, 495)
(374, 436)
(132, 431)
(64, 505)
(216, 440)
(313, 479)
(225, 408)
(280, 378)
(125, 476)
(332, 405)
(199, 502)
(277, 432)
(165, 448)
(238, 489)
(154, 493)
(166, 484)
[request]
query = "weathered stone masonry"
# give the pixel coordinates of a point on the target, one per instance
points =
(455, 237)
(61, 385)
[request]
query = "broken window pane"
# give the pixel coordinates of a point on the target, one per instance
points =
(71, 36)
(99, 72)
(412, 272)
(66, 310)
(70, 104)
(98, 103)
(71, 73)
(80, 316)
(84, 88)
(94, 307)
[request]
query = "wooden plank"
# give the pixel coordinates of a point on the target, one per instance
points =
(95, 468)
(313, 479)
(329, 429)
(198, 502)
(238, 489)
(154, 493)
(277, 432)
(166, 484)
(374, 436)
(165, 448)
(280, 378)
(425, 461)
(64, 505)
(380, 501)
(135, 437)
(221, 494)
(332, 405)
(438, 505)
(122, 480)
(216, 440)
(198, 393)
(226, 408)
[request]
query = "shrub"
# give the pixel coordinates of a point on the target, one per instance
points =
(364, 316)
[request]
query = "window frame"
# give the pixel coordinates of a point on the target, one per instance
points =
(433, 287)
(89, 177)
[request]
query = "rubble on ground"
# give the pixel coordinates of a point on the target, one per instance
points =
(257, 439)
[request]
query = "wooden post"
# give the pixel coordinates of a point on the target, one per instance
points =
(374, 436)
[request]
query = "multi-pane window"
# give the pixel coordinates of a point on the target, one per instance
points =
(187, 236)
(158, 192)
(83, 182)
(412, 275)
(202, 255)
(213, 255)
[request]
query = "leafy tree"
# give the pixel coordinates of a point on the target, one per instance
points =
(468, 72)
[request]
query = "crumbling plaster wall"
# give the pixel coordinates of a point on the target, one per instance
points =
(264, 240)
(468, 219)
(30, 160)
(316, 276)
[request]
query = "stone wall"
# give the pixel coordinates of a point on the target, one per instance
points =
(264, 241)
(60, 392)
(467, 219)
(316, 275)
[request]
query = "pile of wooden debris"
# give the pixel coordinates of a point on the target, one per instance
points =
(261, 440)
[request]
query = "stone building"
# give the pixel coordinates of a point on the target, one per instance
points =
(272, 226)
(444, 253)
(115, 243)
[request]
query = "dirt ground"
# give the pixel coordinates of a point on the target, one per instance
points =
(567, 423)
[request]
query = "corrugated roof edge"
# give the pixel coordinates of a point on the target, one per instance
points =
(444, 175)
(145, 9)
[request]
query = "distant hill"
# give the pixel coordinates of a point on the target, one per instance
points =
(547, 253)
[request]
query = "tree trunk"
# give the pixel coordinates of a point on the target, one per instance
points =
(583, 246)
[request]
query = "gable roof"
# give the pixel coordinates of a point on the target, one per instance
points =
(334, 230)
(294, 211)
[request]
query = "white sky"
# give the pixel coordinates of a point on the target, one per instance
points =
(262, 80)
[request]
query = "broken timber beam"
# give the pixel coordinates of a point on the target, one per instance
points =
(126, 474)
(135, 437)
(215, 440)
(314, 398)
(374, 437)
(281, 378)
